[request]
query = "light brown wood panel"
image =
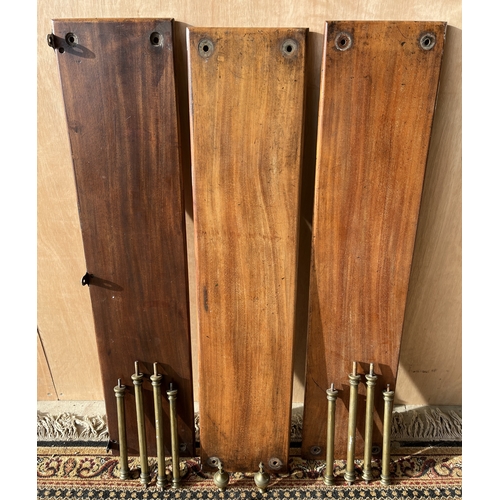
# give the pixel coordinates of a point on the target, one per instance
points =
(64, 309)
(246, 109)
(45, 386)
(431, 347)
(378, 93)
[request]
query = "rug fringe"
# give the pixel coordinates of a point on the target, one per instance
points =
(430, 423)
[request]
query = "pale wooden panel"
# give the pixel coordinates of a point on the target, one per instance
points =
(45, 386)
(64, 312)
(64, 309)
(431, 349)
(246, 105)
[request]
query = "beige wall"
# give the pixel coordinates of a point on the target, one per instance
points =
(430, 363)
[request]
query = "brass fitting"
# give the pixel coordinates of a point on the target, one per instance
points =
(262, 478)
(371, 381)
(161, 479)
(137, 378)
(122, 432)
(354, 379)
(172, 397)
(221, 478)
(385, 477)
(331, 396)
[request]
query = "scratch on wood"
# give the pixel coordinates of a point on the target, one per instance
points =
(205, 298)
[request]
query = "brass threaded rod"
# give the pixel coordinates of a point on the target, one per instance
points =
(122, 430)
(172, 397)
(137, 378)
(385, 477)
(371, 381)
(354, 379)
(161, 479)
(331, 396)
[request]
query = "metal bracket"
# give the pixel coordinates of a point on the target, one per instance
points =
(86, 279)
(110, 444)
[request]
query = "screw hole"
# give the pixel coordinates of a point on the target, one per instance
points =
(315, 450)
(289, 47)
(155, 39)
(427, 41)
(205, 48)
(343, 41)
(275, 463)
(61, 49)
(71, 39)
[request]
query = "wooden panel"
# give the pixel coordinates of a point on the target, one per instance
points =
(45, 385)
(378, 93)
(64, 312)
(120, 99)
(247, 99)
(431, 347)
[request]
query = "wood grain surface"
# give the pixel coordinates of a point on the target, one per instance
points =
(377, 98)
(246, 108)
(119, 93)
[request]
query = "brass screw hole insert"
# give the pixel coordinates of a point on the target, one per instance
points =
(289, 47)
(213, 461)
(275, 463)
(155, 38)
(343, 41)
(315, 450)
(205, 48)
(71, 39)
(427, 41)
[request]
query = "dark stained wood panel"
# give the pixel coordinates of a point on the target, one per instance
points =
(246, 109)
(119, 92)
(378, 93)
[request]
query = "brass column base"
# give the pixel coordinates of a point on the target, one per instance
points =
(367, 474)
(350, 477)
(385, 480)
(145, 478)
(124, 474)
(328, 480)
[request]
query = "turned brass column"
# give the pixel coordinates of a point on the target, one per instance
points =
(371, 381)
(137, 378)
(122, 429)
(172, 397)
(161, 479)
(331, 396)
(354, 378)
(386, 444)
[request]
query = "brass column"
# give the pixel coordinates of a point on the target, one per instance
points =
(172, 397)
(122, 429)
(386, 444)
(354, 378)
(161, 479)
(141, 431)
(331, 396)
(371, 381)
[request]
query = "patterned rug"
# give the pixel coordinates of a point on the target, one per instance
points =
(75, 472)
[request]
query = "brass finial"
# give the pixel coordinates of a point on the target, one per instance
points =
(262, 478)
(221, 478)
